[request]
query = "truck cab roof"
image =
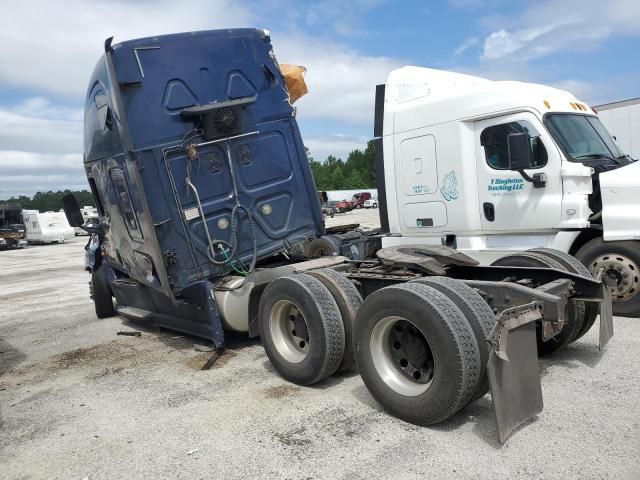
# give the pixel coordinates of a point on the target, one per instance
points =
(456, 96)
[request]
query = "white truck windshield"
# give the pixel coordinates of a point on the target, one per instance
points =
(582, 137)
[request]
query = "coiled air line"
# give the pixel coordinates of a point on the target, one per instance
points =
(228, 249)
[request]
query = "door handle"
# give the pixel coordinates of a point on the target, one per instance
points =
(489, 211)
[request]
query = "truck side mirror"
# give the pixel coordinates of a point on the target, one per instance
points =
(72, 211)
(520, 157)
(519, 151)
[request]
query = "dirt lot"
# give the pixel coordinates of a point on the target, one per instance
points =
(77, 401)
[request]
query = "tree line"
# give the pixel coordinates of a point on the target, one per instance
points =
(358, 171)
(50, 201)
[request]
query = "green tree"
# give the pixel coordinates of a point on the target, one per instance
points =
(51, 201)
(358, 171)
(337, 178)
(355, 180)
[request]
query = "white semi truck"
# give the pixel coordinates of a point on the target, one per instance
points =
(493, 167)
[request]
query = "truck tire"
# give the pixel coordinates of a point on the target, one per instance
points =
(101, 294)
(322, 247)
(477, 312)
(301, 329)
(348, 300)
(575, 313)
(573, 265)
(416, 353)
(621, 261)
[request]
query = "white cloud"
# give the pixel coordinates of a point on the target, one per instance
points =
(341, 81)
(25, 173)
(18, 162)
(579, 88)
(464, 46)
(38, 126)
(53, 46)
(40, 145)
(321, 146)
(50, 49)
(551, 26)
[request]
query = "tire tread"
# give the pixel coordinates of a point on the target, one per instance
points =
(481, 319)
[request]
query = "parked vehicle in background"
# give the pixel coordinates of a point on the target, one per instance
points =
(88, 213)
(371, 203)
(12, 230)
(47, 227)
(329, 208)
(344, 206)
(359, 199)
(12, 236)
(493, 168)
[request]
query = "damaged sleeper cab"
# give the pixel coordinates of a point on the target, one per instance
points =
(207, 211)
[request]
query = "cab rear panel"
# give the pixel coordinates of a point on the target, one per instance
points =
(137, 156)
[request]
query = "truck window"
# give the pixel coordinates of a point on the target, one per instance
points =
(124, 201)
(494, 141)
(582, 136)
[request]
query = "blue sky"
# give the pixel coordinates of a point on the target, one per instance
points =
(47, 53)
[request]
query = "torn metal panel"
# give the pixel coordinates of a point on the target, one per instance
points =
(294, 79)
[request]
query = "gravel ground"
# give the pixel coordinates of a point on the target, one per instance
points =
(77, 401)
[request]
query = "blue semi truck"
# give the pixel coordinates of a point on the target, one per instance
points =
(209, 220)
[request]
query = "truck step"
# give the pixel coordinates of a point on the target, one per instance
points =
(133, 312)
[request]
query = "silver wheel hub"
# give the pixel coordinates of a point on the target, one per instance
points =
(622, 270)
(402, 356)
(289, 331)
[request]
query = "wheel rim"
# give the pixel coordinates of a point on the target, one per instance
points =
(402, 356)
(623, 271)
(289, 331)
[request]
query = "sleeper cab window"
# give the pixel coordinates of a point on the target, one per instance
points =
(494, 141)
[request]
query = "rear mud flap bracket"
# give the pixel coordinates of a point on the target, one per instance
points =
(514, 374)
(606, 317)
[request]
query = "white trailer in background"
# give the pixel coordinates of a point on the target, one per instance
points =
(88, 213)
(622, 119)
(47, 227)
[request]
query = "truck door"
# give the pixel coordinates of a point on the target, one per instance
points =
(507, 201)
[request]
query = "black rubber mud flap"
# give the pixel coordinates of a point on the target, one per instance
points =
(514, 374)
(606, 317)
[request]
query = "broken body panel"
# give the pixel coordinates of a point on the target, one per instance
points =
(198, 170)
(165, 192)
